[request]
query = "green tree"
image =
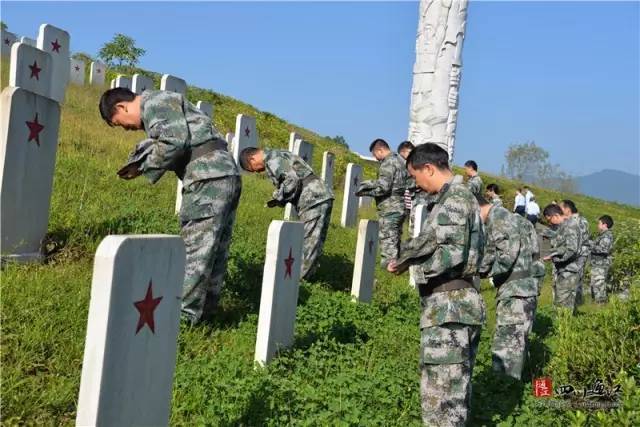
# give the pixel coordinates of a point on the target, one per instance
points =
(525, 161)
(3, 26)
(84, 57)
(121, 50)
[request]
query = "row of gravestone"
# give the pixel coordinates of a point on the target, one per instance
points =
(133, 323)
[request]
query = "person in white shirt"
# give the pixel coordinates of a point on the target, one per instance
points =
(533, 210)
(528, 195)
(520, 203)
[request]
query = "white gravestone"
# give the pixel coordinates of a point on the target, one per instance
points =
(290, 213)
(304, 150)
(328, 161)
(364, 266)
(8, 39)
(173, 84)
(28, 143)
(293, 136)
(112, 84)
(206, 108)
(76, 72)
(365, 202)
(132, 331)
(229, 138)
(352, 180)
(140, 83)
(178, 196)
(420, 216)
(246, 135)
(97, 73)
(56, 42)
(122, 81)
(280, 283)
(28, 40)
(30, 69)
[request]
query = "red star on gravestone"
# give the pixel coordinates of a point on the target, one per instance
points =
(370, 246)
(247, 132)
(77, 68)
(55, 46)
(7, 41)
(304, 157)
(35, 70)
(288, 262)
(98, 70)
(34, 130)
(146, 308)
(355, 181)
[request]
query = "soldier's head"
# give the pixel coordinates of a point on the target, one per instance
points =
(568, 207)
(605, 222)
(429, 165)
(121, 107)
(405, 148)
(553, 214)
(380, 149)
(252, 159)
(471, 168)
(493, 190)
(485, 207)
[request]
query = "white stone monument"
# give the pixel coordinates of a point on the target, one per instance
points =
(365, 202)
(76, 72)
(122, 81)
(132, 331)
(436, 73)
(328, 161)
(8, 39)
(420, 216)
(290, 213)
(206, 108)
(28, 142)
(280, 283)
(97, 73)
(112, 84)
(56, 41)
(30, 69)
(173, 84)
(352, 180)
(364, 266)
(303, 149)
(178, 196)
(293, 136)
(140, 83)
(28, 40)
(229, 138)
(246, 135)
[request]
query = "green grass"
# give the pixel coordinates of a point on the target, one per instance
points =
(352, 364)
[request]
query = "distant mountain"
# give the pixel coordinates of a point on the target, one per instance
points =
(612, 185)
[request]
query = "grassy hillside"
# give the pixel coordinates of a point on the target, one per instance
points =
(352, 364)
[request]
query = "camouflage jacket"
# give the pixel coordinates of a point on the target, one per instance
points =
(533, 242)
(449, 246)
(388, 189)
(294, 180)
(475, 185)
(585, 249)
(174, 126)
(602, 248)
(566, 246)
(507, 255)
(496, 201)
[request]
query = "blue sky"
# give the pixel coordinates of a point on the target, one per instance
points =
(562, 74)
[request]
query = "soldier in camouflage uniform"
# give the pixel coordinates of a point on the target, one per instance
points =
(474, 182)
(296, 183)
(182, 139)
(566, 245)
(601, 259)
(446, 254)
(538, 271)
(388, 190)
(569, 209)
(508, 260)
(493, 194)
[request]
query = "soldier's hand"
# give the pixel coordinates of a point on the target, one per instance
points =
(272, 203)
(392, 267)
(547, 258)
(129, 172)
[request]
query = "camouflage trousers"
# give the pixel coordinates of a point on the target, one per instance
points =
(579, 286)
(514, 321)
(448, 353)
(316, 224)
(599, 274)
(207, 243)
(389, 235)
(564, 289)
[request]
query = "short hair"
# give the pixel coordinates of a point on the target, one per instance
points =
(472, 164)
(572, 206)
(244, 157)
(520, 189)
(526, 186)
(493, 187)
(379, 142)
(428, 153)
(110, 99)
(606, 220)
(481, 200)
(406, 145)
(551, 210)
